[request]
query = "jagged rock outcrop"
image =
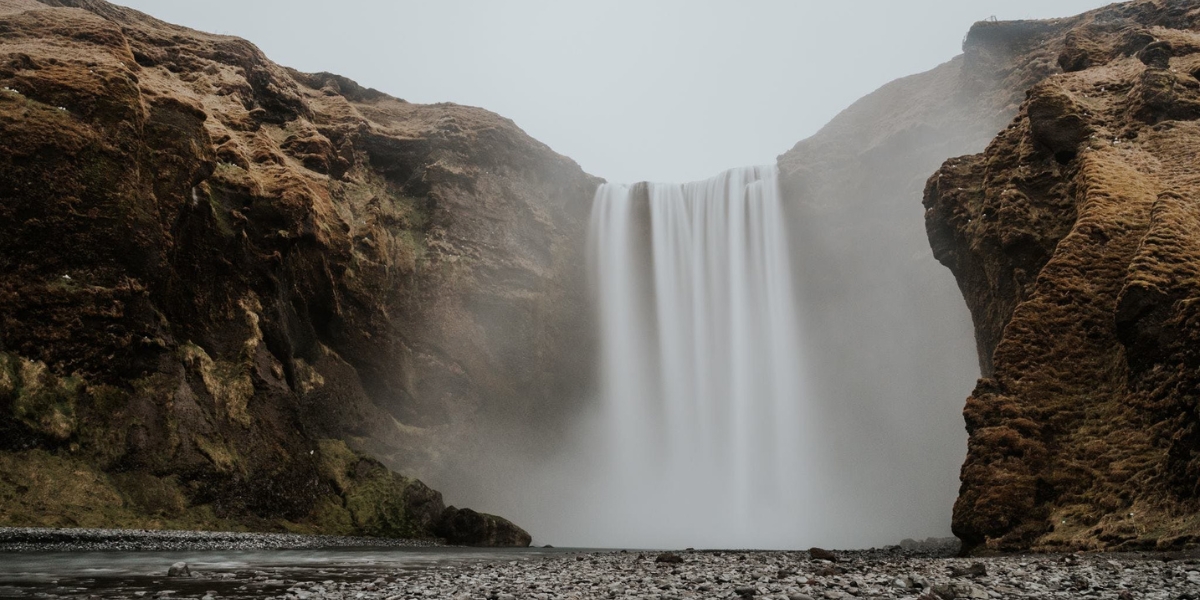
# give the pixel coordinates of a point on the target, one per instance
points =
(211, 267)
(466, 527)
(1074, 239)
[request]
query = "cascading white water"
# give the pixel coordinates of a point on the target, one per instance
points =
(707, 437)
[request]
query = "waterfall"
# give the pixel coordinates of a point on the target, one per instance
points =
(706, 436)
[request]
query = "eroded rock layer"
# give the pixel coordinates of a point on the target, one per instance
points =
(1074, 240)
(213, 267)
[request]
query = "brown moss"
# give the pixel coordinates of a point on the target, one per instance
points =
(239, 265)
(1084, 435)
(41, 489)
(43, 402)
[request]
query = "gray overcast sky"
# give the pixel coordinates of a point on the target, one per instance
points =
(668, 90)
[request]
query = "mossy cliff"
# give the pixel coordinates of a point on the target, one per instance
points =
(1074, 240)
(216, 272)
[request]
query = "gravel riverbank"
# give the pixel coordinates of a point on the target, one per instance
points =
(539, 574)
(31, 539)
(797, 576)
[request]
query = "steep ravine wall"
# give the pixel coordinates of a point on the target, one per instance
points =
(221, 280)
(1074, 240)
(229, 290)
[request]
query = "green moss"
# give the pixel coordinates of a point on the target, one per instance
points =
(376, 501)
(376, 504)
(44, 489)
(222, 456)
(40, 400)
(229, 383)
(307, 378)
(41, 489)
(331, 517)
(336, 462)
(95, 432)
(152, 496)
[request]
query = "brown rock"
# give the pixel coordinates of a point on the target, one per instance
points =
(463, 526)
(1074, 244)
(975, 570)
(219, 263)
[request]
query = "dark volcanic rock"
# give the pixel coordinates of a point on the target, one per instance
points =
(463, 526)
(1074, 240)
(212, 267)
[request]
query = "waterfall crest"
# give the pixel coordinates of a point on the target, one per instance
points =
(707, 437)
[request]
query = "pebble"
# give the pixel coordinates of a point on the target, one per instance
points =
(882, 574)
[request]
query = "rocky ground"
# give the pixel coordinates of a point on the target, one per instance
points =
(1074, 240)
(796, 576)
(24, 539)
(887, 573)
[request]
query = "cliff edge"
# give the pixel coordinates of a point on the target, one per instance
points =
(221, 280)
(1075, 238)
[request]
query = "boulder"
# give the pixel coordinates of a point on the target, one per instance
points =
(465, 527)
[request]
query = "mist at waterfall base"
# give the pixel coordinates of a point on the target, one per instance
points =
(784, 375)
(759, 386)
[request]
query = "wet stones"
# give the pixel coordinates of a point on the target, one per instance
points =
(891, 573)
(975, 570)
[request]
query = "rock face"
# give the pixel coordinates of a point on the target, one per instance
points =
(213, 267)
(1074, 238)
(466, 527)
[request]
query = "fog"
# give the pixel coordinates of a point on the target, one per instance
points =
(632, 90)
(861, 446)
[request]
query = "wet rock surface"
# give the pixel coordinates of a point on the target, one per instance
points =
(887, 573)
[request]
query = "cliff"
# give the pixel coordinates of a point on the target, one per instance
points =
(221, 280)
(1073, 237)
